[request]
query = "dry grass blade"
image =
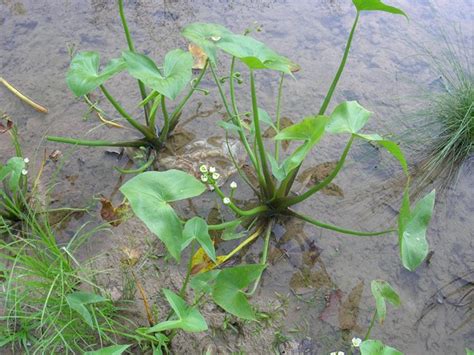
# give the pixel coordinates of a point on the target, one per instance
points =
(22, 97)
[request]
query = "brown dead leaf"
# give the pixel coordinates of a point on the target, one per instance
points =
(349, 310)
(199, 56)
(130, 256)
(318, 173)
(111, 214)
(55, 155)
(9, 125)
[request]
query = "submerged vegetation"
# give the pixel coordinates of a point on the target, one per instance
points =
(52, 303)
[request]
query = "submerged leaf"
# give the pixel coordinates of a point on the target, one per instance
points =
(83, 75)
(376, 347)
(377, 5)
(150, 193)
(189, 318)
(228, 291)
(412, 228)
(381, 290)
(176, 72)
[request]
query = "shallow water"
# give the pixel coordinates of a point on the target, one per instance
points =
(327, 276)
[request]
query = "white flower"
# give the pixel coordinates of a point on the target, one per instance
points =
(233, 185)
(26, 160)
(337, 353)
(211, 188)
(212, 169)
(24, 172)
(215, 176)
(215, 38)
(226, 200)
(203, 169)
(356, 342)
(203, 178)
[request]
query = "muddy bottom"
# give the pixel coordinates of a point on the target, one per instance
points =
(316, 289)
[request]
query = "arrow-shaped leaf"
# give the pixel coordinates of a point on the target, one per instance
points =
(177, 71)
(189, 318)
(382, 291)
(377, 5)
(78, 301)
(348, 117)
(110, 350)
(196, 229)
(228, 289)
(376, 347)
(150, 193)
(83, 75)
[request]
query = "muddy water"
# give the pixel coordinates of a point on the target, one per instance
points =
(324, 278)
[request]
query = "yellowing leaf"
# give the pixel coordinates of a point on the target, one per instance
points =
(199, 56)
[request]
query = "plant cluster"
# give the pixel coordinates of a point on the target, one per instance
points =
(151, 194)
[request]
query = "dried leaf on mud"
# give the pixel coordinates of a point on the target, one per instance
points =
(318, 173)
(111, 214)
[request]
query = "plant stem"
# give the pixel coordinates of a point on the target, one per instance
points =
(328, 97)
(252, 212)
(138, 170)
(144, 130)
(315, 188)
(263, 260)
(22, 97)
(336, 228)
(278, 114)
(269, 185)
(372, 322)
(179, 108)
(224, 225)
(154, 109)
(131, 47)
(166, 126)
(188, 271)
(290, 180)
(97, 143)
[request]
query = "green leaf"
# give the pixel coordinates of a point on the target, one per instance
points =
(278, 171)
(177, 71)
(412, 226)
(376, 347)
(203, 282)
(253, 53)
(189, 319)
(390, 146)
(377, 5)
(78, 301)
(83, 75)
(469, 352)
(110, 350)
(348, 117)
(381, 290)
(13, 168)
(205, 35)
(228, 293)
(150, 193)
(196, 229)
(264, 118)
(309, 129)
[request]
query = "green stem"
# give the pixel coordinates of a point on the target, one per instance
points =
(138, 170)
(290, 180)
(328, 97)
(278, 115)
(224, 225)
(154, 109)
(166, 126)
(252, 212)
(263, 260)
(317, 187)
(188, 271)
(336, 228)
(372, 322)
(236, 115)
(179, 108)
(269, 185)
(131, 47)
(144, 130)
(97, 143)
